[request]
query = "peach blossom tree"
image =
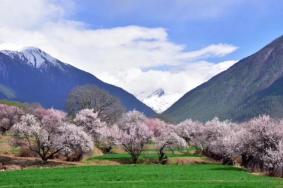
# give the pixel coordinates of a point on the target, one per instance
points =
(47, 134)
(9, 115)
(134, 134)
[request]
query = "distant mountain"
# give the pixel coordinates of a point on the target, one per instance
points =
(31, 75)
(158, 99)
(251, 87)
(158, 93)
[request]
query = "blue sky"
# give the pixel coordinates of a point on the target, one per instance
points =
(144, 45)
(246, 24)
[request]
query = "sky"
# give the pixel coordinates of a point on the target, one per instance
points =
(144, 45)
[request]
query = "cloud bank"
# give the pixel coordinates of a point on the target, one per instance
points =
(138, 59)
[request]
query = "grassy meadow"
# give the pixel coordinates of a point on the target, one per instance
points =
(184, 169)
(139, 176)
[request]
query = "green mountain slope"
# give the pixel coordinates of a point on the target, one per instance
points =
(251, 87)
(7, 92)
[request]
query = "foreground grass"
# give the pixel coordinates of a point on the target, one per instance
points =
(124, 175)
(139, 176)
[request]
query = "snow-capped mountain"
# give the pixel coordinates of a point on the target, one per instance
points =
(34, 57)
(158, 100)
(158, 93)
(31, 75)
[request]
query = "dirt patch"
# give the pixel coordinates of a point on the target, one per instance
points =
(190, 160)
(118, 150)
(16, 163)
(97, 152)
(5, 146)
(101, 163)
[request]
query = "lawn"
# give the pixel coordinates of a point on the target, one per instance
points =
(138, 176)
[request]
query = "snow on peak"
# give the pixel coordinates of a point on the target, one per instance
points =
(159, 92)
(160, 104)
(34, 56)
(158, 100)
(148, 94)
(37, 57)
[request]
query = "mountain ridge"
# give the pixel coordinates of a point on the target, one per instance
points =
(53, 80)
(226, 95)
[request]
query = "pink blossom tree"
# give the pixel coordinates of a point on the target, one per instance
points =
(90, 123)
(47, 134)
(134, 134)
(9, 115)
(165, 137)
(190, 131)
(261, 134)
(273, 160)
(155, 125)
(255, 144)
(168, 139)
(108, 137)
(76, 141)
(226, 146)
(216, 139)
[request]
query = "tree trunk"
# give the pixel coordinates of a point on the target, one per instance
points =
(135, 159)
(163, 159)
(44, 159)
(107, 149)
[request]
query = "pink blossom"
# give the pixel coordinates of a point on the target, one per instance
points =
(9, 115)
(47, 134)
(134, 133)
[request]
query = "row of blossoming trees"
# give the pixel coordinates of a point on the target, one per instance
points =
(50, 133)
(256, 144)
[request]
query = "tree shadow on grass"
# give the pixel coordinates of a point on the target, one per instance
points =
(228, 168)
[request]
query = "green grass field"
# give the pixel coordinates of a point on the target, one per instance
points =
(147, 174)
(139, 176)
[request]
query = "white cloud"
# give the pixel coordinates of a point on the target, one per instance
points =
(29, 13)
(214, 50)
(125, 56)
